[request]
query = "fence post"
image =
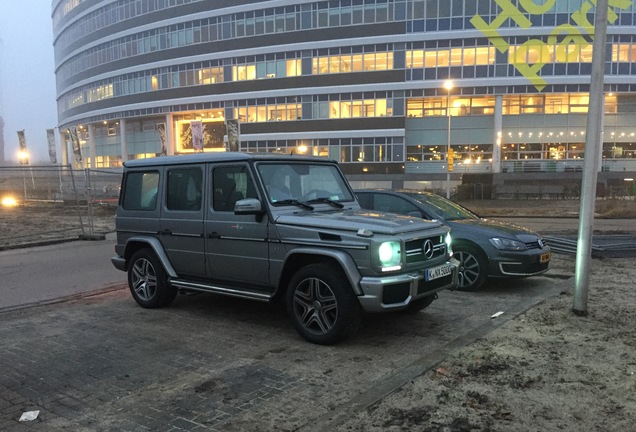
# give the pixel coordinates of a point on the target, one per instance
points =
(89, 204)
(79, 211)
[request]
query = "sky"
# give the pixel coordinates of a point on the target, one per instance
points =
(27, 78)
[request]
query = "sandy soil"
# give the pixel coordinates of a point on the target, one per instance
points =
(32, 223)
(546, 370)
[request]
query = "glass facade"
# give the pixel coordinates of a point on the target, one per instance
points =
(359, 81)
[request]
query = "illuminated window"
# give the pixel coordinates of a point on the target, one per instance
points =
(357, 63)
(294, 67)
(556, 104)
(611, 105)
(210, 75)
(469, 56)
(579, 103)
(485, 55)
(415, 59)
(456, 57)
(586, 54)
(430, 59)
(620, 53)
(414, 108)
(443, 58)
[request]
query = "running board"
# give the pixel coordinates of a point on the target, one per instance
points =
(232, 292)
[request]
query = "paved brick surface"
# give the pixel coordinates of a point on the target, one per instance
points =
(212, 363)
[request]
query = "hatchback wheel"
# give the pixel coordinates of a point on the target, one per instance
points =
(473, 267)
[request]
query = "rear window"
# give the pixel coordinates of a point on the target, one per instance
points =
(140, 191)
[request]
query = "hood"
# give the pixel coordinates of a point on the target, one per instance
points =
(354, 220)
(493, 228)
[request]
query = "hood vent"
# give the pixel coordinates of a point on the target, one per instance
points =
(329, 237)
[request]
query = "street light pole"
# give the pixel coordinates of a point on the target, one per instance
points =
(448, 85)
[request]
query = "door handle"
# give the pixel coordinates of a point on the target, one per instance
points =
(165, 232)
(214, 235)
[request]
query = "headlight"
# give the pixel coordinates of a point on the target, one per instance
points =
(507, 244)
(390, 256)
(448, 242)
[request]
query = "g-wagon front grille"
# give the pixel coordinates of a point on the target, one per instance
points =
(424, 249)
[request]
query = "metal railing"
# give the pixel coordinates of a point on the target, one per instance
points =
(52, 203)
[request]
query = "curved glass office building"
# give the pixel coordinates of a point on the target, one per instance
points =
(374, 84)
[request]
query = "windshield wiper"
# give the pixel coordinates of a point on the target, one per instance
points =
(326, 200)
(293, 202)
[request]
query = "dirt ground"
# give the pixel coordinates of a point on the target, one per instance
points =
(546, 370)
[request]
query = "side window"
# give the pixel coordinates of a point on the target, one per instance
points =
(393, 204)
(230, 184)
(140, 190)
(184, 189)
(364, 199)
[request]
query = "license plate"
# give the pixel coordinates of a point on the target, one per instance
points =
(438, 272)
(544, 258)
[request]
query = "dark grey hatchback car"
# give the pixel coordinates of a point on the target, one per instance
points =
(484, 247)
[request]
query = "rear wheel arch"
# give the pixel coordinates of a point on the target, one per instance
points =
(136, 243)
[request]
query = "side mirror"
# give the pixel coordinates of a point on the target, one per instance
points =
(249, 206)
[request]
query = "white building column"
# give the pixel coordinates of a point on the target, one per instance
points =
(91, 145)
(170, 138)
(496, 148)
(123, 140)
(64, 145)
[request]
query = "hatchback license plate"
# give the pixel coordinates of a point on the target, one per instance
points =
(544, 258)
(438, 272)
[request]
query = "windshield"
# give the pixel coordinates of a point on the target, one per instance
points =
(446, 209)
(287, 183)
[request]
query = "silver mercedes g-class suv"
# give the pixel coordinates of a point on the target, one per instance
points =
(268, 227)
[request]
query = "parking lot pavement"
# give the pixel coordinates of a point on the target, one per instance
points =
(215, 363)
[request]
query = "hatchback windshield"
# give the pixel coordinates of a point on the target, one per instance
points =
(446, 209)
(303, 182)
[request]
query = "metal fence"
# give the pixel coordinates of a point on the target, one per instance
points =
(48, 203)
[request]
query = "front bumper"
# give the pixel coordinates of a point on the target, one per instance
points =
(527, 263)
(391, 293)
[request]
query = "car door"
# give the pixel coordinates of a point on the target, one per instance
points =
(236, 245)
(181, 230)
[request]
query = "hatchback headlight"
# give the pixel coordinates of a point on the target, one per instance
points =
(507, 244)
(390, 255)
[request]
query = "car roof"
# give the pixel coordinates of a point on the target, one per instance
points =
(221, 157)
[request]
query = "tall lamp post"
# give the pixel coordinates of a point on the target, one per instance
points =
(448, 85)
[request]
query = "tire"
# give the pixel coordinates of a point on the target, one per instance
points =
(148, 281)
(322, 305)
(419, 304)
(473, 267)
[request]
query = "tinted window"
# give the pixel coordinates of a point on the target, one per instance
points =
(140, 191)
(393, 204)
(231, 184)
(184, 189)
